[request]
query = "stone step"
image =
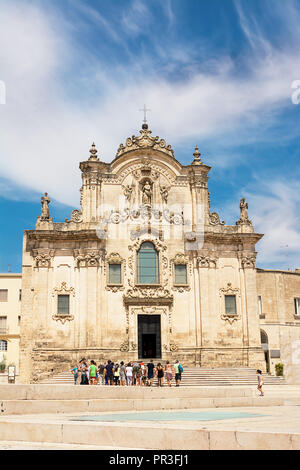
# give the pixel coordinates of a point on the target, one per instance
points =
(133, 435)
(197, 376)
(22, 407)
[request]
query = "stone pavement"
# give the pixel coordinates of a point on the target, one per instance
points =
(233, 427)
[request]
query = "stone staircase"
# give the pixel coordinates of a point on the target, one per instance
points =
(196, 376)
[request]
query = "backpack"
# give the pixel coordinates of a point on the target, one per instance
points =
(180, 368)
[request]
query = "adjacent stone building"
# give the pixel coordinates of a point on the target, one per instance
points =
(10, 317)
(143, 269)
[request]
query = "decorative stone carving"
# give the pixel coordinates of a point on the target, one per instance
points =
(42, 258)
(145, 141)
(76, 216)
(214, 219)
(63, 318)
(124, 346)
(45, 200)
(63, 289)
(181, 289)
(148, 294)
(173, 346)
(127, 191)
(180, 258)
(87, 258)
(114, 258)
(206, 262)
(164, 192)
(244, 219)
(93, 152)
(197, 155)
(147, 193)
(248, 262)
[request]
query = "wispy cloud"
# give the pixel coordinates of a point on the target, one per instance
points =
(62, 95)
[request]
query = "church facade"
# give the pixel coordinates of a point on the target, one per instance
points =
(144, 269)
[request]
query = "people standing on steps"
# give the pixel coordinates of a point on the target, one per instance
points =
(122, 373)
(75, 374)
(129, 374)
(169, 373)
(84, 373)
(101, 368)
(136, 373)
(92, 373)
(116, 371)
(150, 373)
(109, 372)
(178, 371)
(260, 382)
(160, 374)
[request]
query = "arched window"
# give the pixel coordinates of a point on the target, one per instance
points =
(147, 264)
(3, 345)
(263, 337)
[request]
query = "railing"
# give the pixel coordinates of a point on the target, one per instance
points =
(4, 331)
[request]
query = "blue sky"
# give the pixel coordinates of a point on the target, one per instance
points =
(215, 74)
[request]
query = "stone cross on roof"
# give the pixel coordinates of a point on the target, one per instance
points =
(145, 109)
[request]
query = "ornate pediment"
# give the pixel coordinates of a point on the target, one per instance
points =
(148, 295)
(145, 140)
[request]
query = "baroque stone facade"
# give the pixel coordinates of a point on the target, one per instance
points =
(83, 294)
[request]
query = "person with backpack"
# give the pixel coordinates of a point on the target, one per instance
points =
(169, 373)
(75, 373)
(178, 371)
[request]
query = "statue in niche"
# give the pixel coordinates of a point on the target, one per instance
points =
(244, 210)
(128, 192)
(164, 193)
(45, 200)
(147, 193)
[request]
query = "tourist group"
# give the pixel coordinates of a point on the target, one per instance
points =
(130, 374)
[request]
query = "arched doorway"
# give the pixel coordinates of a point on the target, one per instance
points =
(265, 348)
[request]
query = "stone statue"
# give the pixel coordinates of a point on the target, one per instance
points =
(164, 194)
(128, 192)
(244, 211)
(45, 200)
(147, 193)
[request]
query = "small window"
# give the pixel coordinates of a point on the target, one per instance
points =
(20, 294)
(115, 275)
(3, 295)
(259, 305)
(19, 320)
(180, 274)
(63, 306)
(3, 325)
(297, 306)
(3, 345)
(230, 304)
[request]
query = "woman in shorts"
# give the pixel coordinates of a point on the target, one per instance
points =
(169, 373)
(160, 374)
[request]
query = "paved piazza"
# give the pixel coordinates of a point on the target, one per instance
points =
(283, 422)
